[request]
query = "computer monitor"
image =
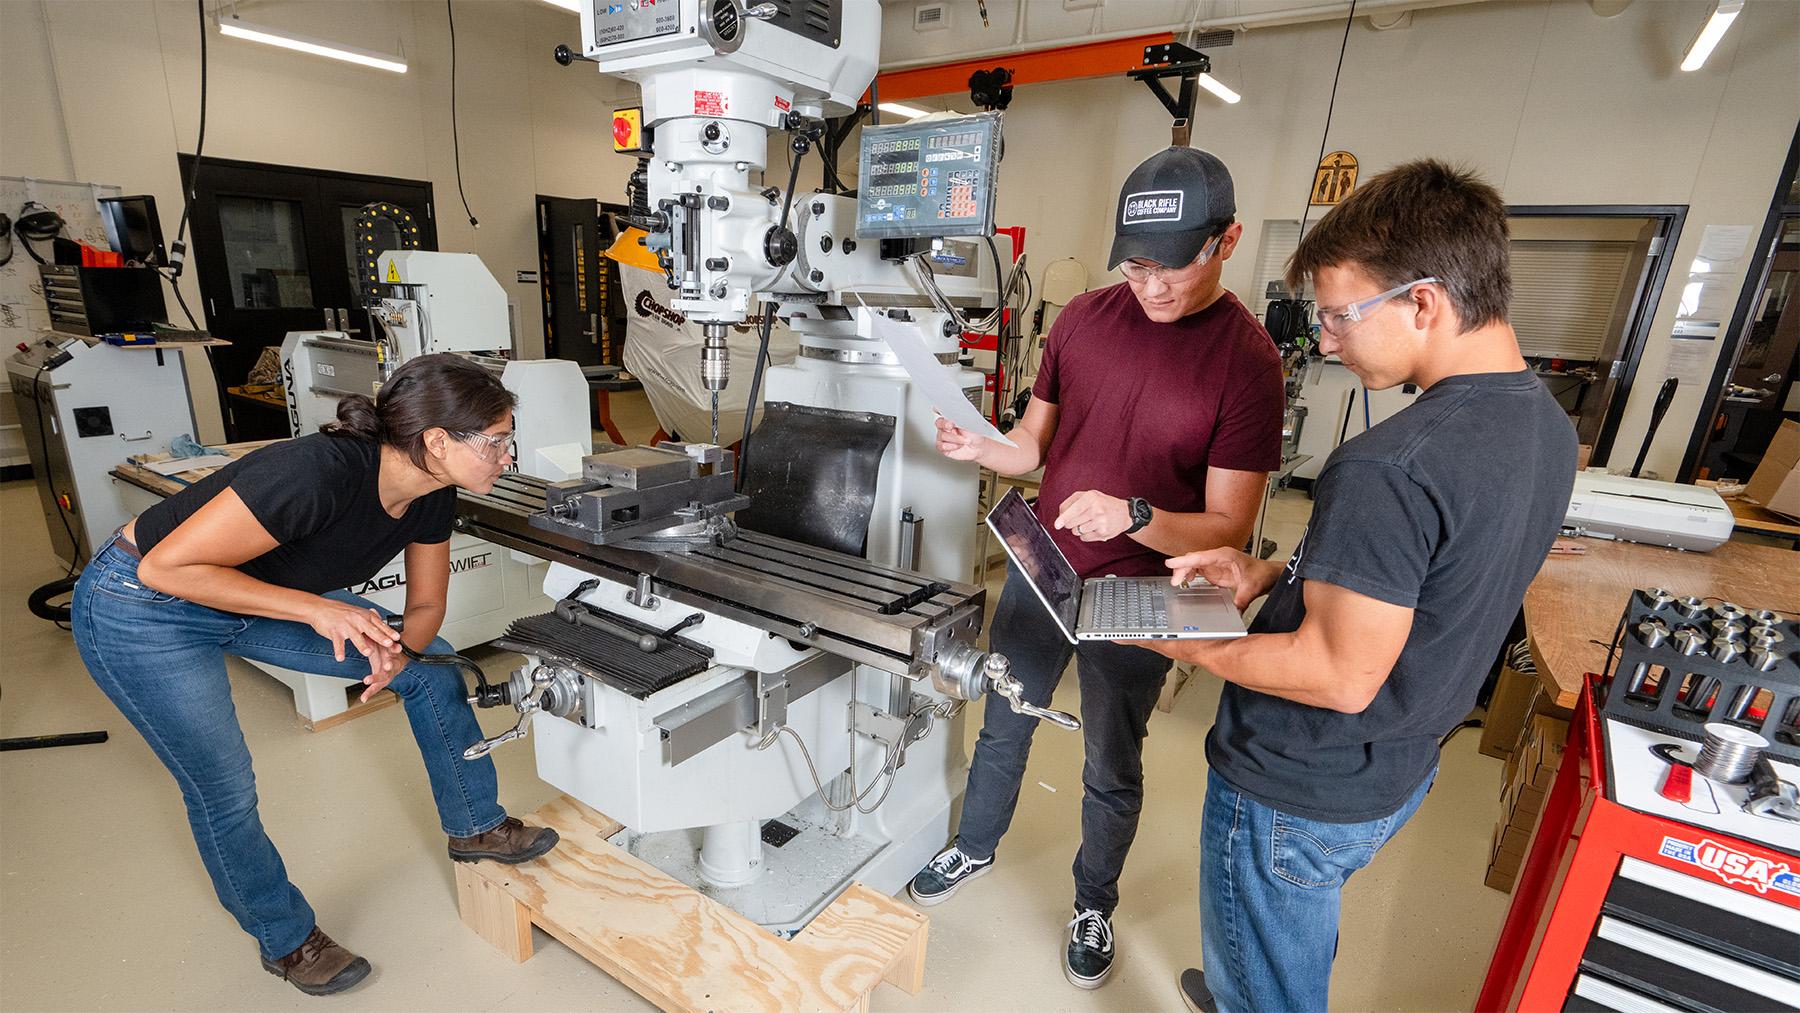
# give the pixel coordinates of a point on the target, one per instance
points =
(133, 229)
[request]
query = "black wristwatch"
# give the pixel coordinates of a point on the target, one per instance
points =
(1140, 513)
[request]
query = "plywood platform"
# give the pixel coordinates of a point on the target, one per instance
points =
(677, 947)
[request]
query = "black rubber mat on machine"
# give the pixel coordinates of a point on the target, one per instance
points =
(614, 656)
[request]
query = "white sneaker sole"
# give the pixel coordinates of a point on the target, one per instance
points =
(936, 899)
(1085, 983)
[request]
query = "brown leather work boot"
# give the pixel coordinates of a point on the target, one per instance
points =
(319, 966)
(511, 842)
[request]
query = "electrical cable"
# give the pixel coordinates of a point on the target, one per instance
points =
(38, 600)
(178, 249)
(1330, 107)
(36, 226)
(768, 326)
(455, 137)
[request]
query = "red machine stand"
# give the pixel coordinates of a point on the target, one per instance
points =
(1537, 970)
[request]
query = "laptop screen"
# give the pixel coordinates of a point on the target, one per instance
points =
(1038, 558)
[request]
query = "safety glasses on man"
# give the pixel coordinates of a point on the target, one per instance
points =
(1138, 272)
(1339, 321)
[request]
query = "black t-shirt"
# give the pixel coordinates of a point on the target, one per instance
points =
(320, 497)
(1447, 508)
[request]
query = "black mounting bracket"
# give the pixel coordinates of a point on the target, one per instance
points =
(1172, 59)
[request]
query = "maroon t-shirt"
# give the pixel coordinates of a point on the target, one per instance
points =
(1145, 408)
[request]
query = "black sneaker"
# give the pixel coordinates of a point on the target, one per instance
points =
(944, 874)
(1194, 992)
(1089, 958)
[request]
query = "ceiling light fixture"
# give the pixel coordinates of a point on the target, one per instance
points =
(902, 110)
(239, 29)
(1724, 12)
(1217, 87)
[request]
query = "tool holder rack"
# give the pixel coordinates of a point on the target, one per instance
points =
(1655, 684)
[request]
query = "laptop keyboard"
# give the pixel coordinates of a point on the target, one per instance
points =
(1121, 604)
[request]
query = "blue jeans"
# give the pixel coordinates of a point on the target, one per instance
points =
(1119, 687)
(1270, 887)
(161, 660)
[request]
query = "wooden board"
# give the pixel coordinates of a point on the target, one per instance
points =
(381, 701)
(1577, 600)
(673, 945)
(165, 486)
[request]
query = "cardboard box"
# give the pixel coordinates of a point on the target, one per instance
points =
(1515, 840)
(1584, 452)
(1507, 712)
(1776, 484)
(1542, 757)
(1502, 880)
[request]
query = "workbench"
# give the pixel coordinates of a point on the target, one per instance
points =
(1574, 604)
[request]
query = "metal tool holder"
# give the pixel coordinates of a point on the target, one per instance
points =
(1686, 661)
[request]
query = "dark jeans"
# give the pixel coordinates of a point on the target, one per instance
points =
(161, 660)
(1119, 688)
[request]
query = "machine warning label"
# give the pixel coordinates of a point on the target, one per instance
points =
(1733, 865)
(782, 104)
(393, 275)
(711, 103)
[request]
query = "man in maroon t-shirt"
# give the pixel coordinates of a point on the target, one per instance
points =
(1156, 417)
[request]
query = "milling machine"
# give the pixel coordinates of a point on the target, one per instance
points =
(771, 720)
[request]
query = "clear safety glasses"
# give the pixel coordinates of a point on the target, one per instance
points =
(1339, 321)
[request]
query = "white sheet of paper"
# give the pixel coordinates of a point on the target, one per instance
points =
(1724, 245)
(936, 380)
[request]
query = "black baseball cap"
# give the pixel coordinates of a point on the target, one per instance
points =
(1170, 206)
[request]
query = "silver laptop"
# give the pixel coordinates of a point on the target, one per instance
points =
(1108, 608)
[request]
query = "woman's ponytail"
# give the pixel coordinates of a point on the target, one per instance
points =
(356, 417)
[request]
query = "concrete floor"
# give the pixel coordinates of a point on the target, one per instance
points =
(104, 904)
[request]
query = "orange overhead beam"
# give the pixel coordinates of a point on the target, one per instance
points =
(1063, 63)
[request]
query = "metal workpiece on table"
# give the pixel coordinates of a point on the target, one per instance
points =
(1691, 607)
(680, 494)
(1653, 632)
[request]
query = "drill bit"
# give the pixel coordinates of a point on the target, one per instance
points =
(715, 418)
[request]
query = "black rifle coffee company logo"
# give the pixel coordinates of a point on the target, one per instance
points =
(1151, 206)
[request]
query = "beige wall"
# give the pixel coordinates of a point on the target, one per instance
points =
(1552, 103)
(109, 92)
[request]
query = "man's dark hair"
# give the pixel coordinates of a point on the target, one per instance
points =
(431, 391)
(1418, 220)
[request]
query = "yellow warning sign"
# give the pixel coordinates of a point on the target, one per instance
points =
(393, 277)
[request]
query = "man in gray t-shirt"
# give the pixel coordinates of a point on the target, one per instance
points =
(1377, 633)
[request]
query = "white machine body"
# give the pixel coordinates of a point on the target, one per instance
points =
(698, 816)
(105, 404)
(1641, 510)
(715, 84)
(451, 303)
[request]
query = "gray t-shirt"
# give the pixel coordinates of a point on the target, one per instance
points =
(1447, 508)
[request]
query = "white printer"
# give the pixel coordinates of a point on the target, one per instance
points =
(1642, 510)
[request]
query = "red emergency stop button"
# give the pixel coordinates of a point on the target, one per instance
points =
(628, 130)
(62, 500)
